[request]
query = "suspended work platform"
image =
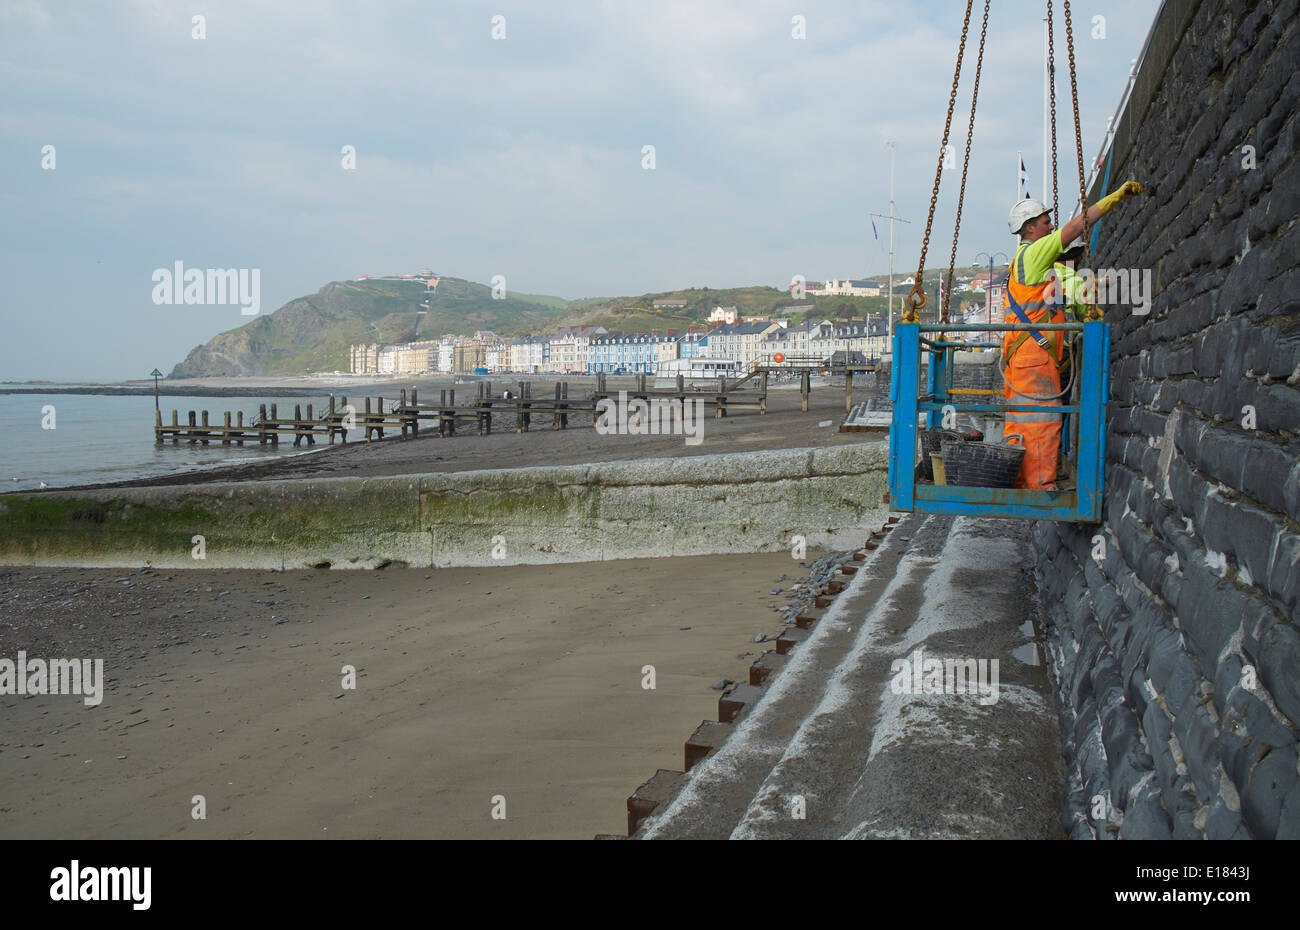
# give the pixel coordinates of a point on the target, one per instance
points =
(917, 409)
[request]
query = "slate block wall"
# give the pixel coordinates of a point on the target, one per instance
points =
(1173, 637)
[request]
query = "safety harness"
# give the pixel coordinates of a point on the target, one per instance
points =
(1062, 358)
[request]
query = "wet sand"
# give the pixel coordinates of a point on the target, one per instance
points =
(523, 681)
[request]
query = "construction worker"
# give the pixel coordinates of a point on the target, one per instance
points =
(1032, 361)
(1069, 286)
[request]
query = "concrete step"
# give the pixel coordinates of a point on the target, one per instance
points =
(833, 749)
(712, 806)
(764, 667)
(737, 698)
(708, 736)
(661, 788)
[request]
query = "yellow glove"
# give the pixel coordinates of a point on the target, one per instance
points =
(1123, 192)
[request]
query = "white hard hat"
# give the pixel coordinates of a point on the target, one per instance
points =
(1077, 243)
(1023, 212)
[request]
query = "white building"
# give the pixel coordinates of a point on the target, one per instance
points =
(835, 287)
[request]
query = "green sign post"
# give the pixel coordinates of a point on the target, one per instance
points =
(155, 374)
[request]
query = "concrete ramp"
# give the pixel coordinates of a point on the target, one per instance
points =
(870, 729)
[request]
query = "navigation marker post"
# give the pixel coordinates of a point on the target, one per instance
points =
(156, 374)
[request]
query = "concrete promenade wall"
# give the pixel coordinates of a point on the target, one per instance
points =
(743, 502)
(1173, 637)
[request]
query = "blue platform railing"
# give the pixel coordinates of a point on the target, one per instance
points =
(1083, 433)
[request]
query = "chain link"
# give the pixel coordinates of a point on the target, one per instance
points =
(1051, 85)
(916, 297)
(1092, 313)
(961, 196)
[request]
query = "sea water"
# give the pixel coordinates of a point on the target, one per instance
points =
(97, 438)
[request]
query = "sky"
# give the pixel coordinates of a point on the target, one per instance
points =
(133, 138)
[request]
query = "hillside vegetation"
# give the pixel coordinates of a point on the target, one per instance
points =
(313, 333)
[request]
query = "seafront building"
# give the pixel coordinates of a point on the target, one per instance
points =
(736, 346)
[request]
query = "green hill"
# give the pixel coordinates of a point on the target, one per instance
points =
(313, 333)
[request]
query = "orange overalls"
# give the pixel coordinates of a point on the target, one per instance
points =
(1031, 369)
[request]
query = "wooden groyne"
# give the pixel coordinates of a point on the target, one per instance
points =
(408, 416)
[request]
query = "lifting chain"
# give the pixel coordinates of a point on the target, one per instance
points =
(916, 297)
(1051, 95)
(961, 197)
(1092, 312)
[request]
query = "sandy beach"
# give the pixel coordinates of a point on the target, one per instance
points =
(523, 682)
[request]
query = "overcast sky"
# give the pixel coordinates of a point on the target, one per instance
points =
(476, 156)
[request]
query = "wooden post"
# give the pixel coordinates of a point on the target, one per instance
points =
(555, 416)
(297, 419)
(451, 401)
(848, 388)
(402, 412)
(379, 404)
(564, 416)
(762, 396)
(157, 426)
(805, 386)
(239, 418)
(225, 435)
(519, 409)
(367, 419)
(415, 414)
(261, 424)
(681, 387)
(311, 436)
(205, 427)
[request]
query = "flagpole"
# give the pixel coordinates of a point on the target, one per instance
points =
(890, 315)
(1020, 180)
(1046, 79)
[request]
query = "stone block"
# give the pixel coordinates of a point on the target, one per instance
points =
(1223, 823)
(1145, 818)
(1279, 667)
(1270, 782)
(1198, 735)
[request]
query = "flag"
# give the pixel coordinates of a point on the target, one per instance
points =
(873, 229)
(1024, 181)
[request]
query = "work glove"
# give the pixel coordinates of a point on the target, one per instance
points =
(1123, 192)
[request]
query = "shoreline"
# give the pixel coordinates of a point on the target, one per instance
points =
(784, 426)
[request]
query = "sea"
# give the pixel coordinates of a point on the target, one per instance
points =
(63, 440)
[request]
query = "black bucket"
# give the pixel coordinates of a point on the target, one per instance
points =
(931, 443)
(982, 464)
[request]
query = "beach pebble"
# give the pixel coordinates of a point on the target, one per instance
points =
(721, 683)
(776, 590)
(760, 638)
